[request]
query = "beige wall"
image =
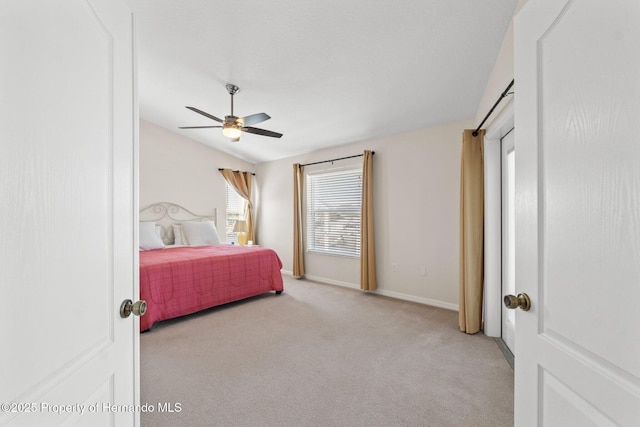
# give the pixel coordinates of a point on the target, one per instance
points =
(500, 77)
(416, 179)
(416, 191)
(179, 170)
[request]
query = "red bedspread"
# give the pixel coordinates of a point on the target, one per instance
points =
(183, 280)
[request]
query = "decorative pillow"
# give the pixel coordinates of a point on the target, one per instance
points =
(201, 233)
(149, 238)
(178, 235)
(160, 232)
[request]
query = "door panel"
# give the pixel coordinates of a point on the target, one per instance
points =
(578, 213)
(590, 173)
(67, 212)
(564, 407)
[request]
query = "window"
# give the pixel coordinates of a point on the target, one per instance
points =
(235, 211)
(334, 201)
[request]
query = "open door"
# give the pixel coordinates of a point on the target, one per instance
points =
(508, 190)
(577, 113)
(67, 213)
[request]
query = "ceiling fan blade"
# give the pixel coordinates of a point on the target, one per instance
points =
(254, 119)
(262, 132)
(205, 114)
(198, 127)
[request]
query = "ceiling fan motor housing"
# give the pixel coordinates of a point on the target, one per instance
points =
(232, 89)
(230, 121)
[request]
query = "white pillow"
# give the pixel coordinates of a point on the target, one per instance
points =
(160, 232)
(178, 235)
(201, 233)
(149, 238)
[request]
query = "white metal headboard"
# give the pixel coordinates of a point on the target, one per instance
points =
(166, 214)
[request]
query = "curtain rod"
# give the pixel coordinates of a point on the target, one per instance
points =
(502, 95)
(252, 173)
(335, 160)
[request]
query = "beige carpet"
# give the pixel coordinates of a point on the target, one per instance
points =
(322, 355)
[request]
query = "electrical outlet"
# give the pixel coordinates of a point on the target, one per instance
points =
(394, 267)
(423, 271)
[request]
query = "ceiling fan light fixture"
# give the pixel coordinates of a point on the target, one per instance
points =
(231, 132)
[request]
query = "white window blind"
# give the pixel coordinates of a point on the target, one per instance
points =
(235, 211)
(334, 201)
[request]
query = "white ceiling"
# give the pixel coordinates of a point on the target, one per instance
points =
(328, 72)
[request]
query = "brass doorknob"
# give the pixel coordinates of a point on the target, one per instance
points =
(522, 300)
(139, 308)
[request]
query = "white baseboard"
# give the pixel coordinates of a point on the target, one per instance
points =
(332, 282)
(420, 300)
(391, 294)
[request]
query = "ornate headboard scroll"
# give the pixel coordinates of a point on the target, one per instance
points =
(166, 214)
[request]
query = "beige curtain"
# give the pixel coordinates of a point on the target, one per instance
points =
(241, 182)
(368, 279)
(471, 232)
(298, 247)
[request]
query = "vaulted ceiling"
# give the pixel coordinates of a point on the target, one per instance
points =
(328, 72)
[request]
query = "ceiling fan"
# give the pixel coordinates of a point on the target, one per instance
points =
(233, 126)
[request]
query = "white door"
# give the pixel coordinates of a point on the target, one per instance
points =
(67, 211)
(508, 155)
(577, 113)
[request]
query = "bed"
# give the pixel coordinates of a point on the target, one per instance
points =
(198, 272)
